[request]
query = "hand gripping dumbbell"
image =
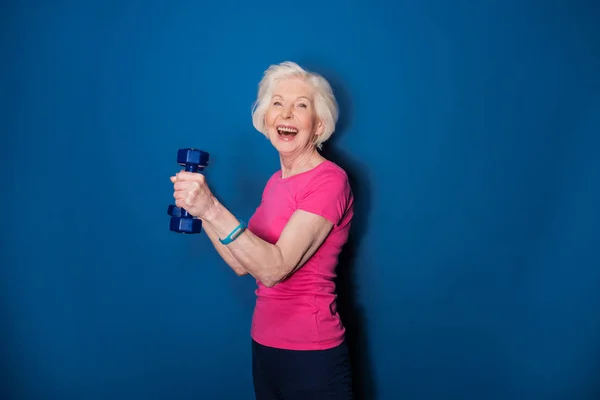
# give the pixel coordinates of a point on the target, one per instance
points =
(181, 221)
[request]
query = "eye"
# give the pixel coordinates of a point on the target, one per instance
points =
(277, 103)
(303, 105)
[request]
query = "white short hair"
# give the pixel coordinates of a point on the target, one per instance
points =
(326, 106)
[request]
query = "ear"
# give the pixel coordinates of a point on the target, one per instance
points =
(320, 127)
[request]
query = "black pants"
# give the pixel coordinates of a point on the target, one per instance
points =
(301, 375)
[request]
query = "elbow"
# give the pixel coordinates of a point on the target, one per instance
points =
(275, 272)
(270, 282)
(273, 278)
(270, 279)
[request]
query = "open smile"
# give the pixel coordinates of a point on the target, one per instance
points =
(287, 132)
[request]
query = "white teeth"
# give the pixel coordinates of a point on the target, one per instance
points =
(287, 129)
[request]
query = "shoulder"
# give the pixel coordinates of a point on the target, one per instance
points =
(328, 181)
(330, 173)
(326, 193)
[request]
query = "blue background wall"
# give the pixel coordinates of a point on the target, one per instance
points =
(470, 130)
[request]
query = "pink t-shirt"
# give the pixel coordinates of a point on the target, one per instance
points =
(300, 313)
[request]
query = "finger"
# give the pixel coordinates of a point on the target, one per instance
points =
(191, 194)
(184, 185)
(179, 203)
(179, 194)
(189, 176)
(184, 202)
(183, 190)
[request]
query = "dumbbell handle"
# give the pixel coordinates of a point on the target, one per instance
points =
(193, 168)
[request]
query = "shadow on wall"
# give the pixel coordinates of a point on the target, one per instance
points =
(351, 313)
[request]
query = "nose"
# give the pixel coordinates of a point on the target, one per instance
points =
(286, 113)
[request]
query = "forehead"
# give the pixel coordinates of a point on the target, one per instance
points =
(293, 87)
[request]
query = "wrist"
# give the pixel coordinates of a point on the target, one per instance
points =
(221, 220)
(214, 211)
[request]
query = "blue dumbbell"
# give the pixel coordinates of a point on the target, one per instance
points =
(192, 160)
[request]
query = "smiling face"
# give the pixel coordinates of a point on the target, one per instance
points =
(291, 120)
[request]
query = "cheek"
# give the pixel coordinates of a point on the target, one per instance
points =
(269, 118)
(307, 121)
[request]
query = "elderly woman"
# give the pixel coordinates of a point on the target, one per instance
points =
(292, 242)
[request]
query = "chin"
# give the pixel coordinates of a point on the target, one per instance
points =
(285, 148)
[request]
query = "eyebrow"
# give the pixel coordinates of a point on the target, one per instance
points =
(300, 97)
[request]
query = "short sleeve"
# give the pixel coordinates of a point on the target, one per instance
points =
(328, 195)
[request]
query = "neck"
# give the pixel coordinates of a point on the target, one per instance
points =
(296, 164)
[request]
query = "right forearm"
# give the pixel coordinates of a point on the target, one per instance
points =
(223, 250)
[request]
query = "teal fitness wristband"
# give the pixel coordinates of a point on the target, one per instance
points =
(234, 233)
